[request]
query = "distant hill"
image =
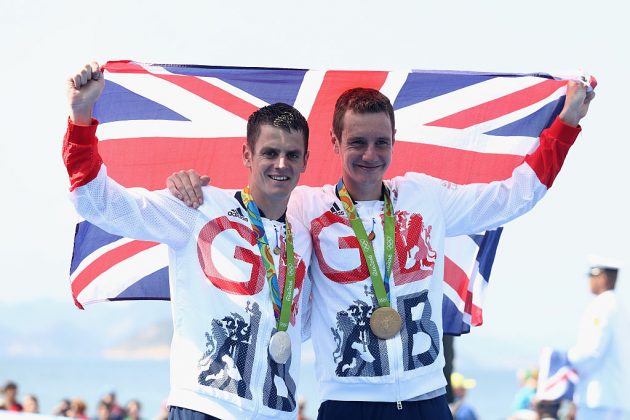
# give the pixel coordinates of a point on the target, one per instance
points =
(149, 343)
(52, 329)
(142, 330)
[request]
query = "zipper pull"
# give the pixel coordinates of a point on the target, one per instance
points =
(399, 405)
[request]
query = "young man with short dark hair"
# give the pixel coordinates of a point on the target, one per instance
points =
(237, 265)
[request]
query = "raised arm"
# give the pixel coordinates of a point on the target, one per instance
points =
(135, 212)
(81, 157)
(476, 207)
(576, 104)
(83, 89)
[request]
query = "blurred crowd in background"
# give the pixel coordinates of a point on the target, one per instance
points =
(106, 408)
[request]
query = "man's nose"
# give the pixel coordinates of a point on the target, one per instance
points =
(369, 153)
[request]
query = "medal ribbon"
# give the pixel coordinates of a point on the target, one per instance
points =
(381, 287)
(281, 304)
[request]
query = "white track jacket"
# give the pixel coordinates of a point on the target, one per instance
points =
(353, 364)
(221, 306)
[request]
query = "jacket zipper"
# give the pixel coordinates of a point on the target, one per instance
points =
(397, 359)
(397, 344)
(264, 335)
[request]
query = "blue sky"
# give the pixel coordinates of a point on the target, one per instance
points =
(538, 288)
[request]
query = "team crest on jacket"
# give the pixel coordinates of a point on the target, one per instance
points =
(415, 257)
(228, 361)
(230, 349)
(359, 352)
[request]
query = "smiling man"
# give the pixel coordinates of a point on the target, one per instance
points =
(366, 151)
(378, 261)
(237, 265)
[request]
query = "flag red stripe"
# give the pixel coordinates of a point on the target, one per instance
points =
(123, 66)
(212, 94)
(500, 106)
(128, 163)
(221, 159)
(455, 277)
(564, 374)
(476, 314)
(454, 165)
(107, 261)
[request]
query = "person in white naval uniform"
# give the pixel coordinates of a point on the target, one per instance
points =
(601, 352)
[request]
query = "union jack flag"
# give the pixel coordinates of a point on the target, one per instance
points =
(462, 127)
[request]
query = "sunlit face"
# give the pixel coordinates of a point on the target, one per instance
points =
(29, 404)
(10, 393)
(276, 163)
(103, 411)
(133, 410)
(365, 149)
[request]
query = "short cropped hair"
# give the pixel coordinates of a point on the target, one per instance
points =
(361, 101)
(278, 115)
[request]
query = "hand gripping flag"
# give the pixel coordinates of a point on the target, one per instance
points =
(462, 127)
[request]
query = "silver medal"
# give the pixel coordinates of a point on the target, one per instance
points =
(280, 347)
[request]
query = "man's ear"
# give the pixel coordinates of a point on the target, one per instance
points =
(306, 155)
(335, 141)
(247, 156)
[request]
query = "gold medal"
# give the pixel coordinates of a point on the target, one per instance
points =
(371, 236)
(385, 322)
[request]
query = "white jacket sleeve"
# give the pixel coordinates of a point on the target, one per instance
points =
(135, 212)
(476, 207)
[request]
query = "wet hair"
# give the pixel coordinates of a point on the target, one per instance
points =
(361, 101)
(278, 115)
